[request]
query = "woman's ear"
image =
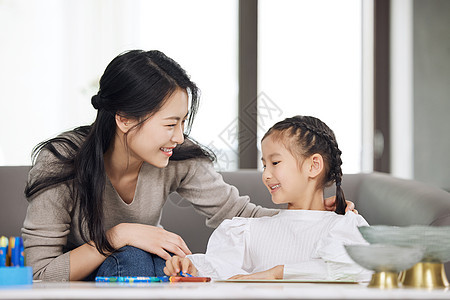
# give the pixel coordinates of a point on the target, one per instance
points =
(315, 165)
(124, 124)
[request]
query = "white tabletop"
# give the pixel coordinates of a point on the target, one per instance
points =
(212, 290)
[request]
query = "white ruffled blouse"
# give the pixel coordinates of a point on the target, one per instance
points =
(309, 243)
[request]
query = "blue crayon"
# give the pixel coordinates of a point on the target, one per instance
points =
(185, 274)
(16, 247)
(21, 253)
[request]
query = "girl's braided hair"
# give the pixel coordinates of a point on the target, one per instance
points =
(304, 136)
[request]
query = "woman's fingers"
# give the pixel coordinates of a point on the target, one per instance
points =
(162, 253)
(330, 203)
(350, 205)
(179, 242)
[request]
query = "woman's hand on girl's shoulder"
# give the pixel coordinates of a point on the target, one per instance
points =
(148, 238)
(330, 204)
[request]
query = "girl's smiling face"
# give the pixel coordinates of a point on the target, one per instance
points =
(154, 141)
(283, 175)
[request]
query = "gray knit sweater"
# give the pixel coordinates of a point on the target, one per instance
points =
(51, 226)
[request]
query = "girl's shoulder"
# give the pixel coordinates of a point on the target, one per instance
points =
(349, 221)
(233, 227)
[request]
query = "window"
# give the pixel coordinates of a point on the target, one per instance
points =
(57, 50)
(309, 63)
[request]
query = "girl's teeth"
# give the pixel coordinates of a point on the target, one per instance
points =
(166, 149)
(275, 186)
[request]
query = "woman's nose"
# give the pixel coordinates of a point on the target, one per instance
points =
(178, 136)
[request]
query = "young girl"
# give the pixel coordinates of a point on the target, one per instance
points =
(102, 187)
(300, 157)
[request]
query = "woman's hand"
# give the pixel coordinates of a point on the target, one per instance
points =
(330, 204)
(148, 238)
(274, 273)
(175, 264)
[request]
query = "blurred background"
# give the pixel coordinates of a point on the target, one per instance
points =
(376, 71)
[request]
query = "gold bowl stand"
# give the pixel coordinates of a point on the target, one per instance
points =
(425, 275)
(384, 280)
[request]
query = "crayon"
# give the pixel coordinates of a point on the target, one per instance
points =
(185, 274)
(21, 254)
(16, 247)
(132, 279)
(3, 251)
(144, 279)
(9, 253)
(189, 279)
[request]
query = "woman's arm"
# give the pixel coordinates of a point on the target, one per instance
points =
(205, 188)
(51, 217)
(213, 197)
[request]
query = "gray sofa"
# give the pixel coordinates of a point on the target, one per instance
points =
(380, 198)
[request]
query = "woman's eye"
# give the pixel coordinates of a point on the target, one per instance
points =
(264, 166)
(275, 163)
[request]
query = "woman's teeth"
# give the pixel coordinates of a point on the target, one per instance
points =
(166, 149)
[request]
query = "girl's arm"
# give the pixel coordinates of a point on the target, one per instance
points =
(271, 274)
(226, 254)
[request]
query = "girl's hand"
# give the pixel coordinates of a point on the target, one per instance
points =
(148, 238)
(330, 205)
(175, 264)
(274, 273)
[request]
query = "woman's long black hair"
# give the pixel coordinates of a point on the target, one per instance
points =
(307, 136)
(135, 84)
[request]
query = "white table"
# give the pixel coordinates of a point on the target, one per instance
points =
(212, 290)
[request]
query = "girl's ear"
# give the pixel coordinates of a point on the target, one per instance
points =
(124, 124)
(315, 165)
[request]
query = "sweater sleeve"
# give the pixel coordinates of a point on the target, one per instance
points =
(45, 230)
(332, 261)
(226, 254)
(217, 200)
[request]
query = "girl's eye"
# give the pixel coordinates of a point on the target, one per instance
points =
(264, 166)
(172, 125)
(275, 163)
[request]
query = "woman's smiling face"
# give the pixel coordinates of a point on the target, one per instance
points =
(154, 141)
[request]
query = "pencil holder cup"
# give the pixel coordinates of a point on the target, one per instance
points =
(16, 276)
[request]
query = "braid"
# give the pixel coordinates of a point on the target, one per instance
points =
(314, 136)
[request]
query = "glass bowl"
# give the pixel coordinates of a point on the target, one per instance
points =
(435, 240)
(385, 258)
